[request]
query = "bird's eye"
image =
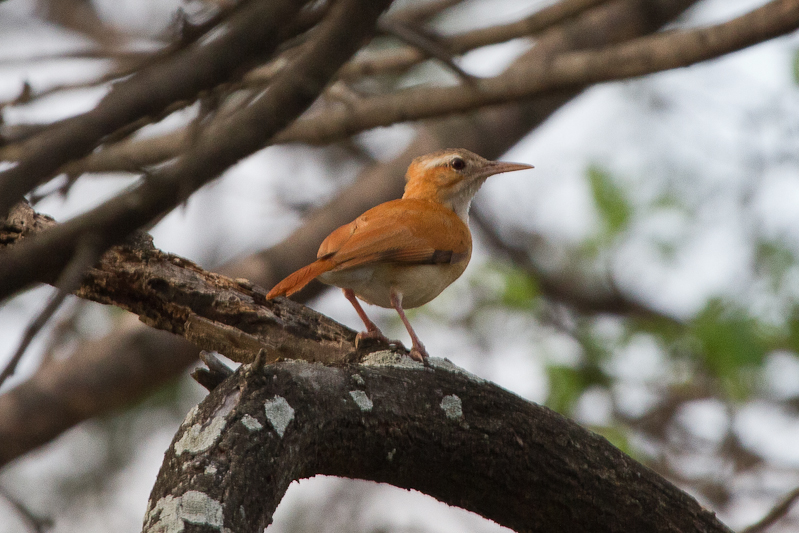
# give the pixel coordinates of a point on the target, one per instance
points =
(457, 163)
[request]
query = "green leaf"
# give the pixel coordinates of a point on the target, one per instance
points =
(521, 289)
(792, 339)
(613, 205)
(566, 384)
(732, 342)
(617, 436)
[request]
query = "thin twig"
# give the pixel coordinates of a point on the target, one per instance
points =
(401, 59)
(424, 41)
(423, 12)
(87, 253)
(776, 513)
(34, 523)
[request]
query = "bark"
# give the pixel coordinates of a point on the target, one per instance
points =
(214, 312)
(438, 430)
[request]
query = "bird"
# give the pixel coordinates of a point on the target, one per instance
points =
(402, 253)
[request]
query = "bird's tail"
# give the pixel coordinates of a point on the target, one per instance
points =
(300, 278)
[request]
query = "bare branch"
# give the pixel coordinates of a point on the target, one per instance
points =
(212, 311)
(81, 16)
(438, 430)
(132, 155)
(568, 70)
(422, 11)
(396, 60)
(564, 71)
(295, 88)
(424, 41)
(34, 523)
(252, 31)
(106, 374)
(775, 514)
(86, 254)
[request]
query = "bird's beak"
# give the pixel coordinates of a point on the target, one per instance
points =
(498, 167)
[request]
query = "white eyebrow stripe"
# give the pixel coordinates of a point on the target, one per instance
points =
(438, 161)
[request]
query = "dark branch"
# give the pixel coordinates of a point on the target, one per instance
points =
(134, 154)
(438, 430)
(295, 88)
(254, 31)
(86, 254)
(569, 70)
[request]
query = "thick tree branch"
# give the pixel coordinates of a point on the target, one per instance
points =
(108, 374)
(336, 39)
(254, 31)
(212, 311)
(462, 440)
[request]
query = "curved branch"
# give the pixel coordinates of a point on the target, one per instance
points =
(438, 430)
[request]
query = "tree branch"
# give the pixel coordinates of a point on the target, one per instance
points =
(255, 30)
(212, 311)
(457, 438)
(108, 374)
(775, 514)
(132, 155)
(336, 39)
(568, 70)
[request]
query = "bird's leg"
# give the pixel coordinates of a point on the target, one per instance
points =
(372, 331)
(418, 351)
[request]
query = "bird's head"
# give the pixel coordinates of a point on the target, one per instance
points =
(452, 177)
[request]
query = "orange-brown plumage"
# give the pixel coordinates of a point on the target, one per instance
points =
(403, 253)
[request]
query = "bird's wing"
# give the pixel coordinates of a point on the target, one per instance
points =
(401, 231)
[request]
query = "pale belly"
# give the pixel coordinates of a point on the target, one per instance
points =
(418, 284)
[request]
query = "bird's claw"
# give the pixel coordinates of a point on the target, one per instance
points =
(377, 336)
(418, 353)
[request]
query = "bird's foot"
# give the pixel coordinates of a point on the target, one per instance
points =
(376, 336)
(419, 353)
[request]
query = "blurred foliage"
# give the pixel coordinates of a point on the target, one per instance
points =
(796, 67)
(731, 343)
(773, 260)
(520, 289)
(611, 201)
